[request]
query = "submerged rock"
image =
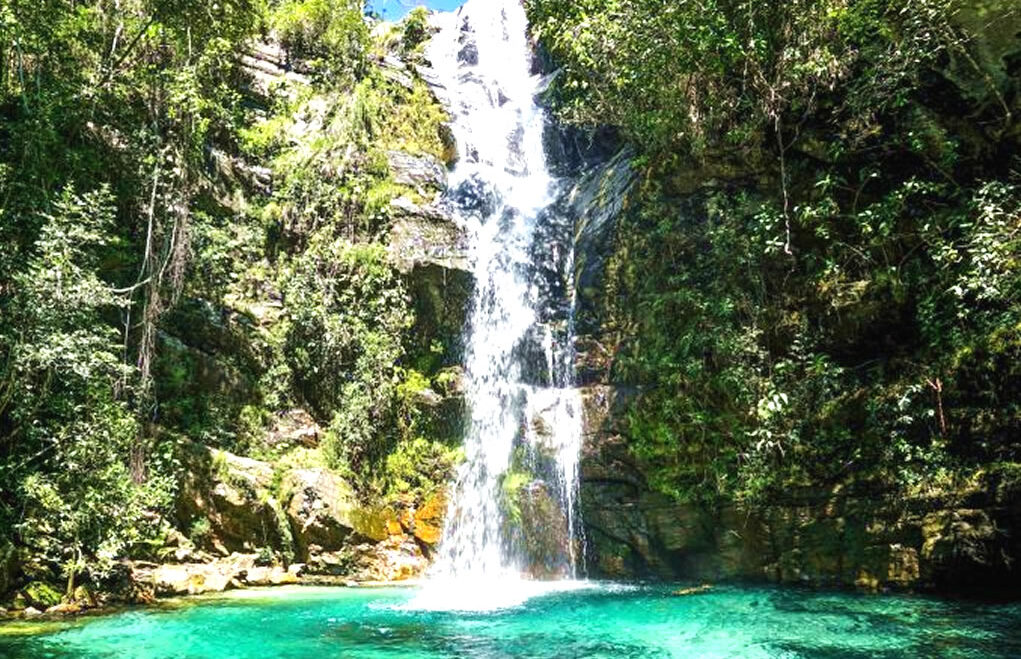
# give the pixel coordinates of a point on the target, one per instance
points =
(694, 590)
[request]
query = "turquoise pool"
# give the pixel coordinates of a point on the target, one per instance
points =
(601, 620)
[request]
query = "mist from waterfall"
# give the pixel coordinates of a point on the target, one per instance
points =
(519, 354)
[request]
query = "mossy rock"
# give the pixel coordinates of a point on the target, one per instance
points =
(41, 595)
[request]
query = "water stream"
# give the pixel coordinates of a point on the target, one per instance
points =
(512, 516)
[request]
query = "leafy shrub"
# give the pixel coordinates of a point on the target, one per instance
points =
(333, 36)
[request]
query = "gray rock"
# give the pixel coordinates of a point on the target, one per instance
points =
(426, 235)
(418, 171)
(469, 54)
(398, 77)
(431, 248)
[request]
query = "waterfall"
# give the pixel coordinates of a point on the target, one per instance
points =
(512, 516)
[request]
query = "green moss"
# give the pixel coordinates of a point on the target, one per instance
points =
(414, 122)
(41, 595)
(416, 468)
(510, 489)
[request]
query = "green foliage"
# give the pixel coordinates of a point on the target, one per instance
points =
(348, 312)
(65, 433)
(418, 467)
(414, 30)
(863, 361)
(511, 486)
(200, 532)
(698, 76)
(839, 304)
(41, 594)
(331, 36)
(150, 280)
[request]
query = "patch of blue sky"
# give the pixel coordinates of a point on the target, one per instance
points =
(393, 10)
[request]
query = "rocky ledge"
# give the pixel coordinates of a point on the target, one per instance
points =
(254, 524)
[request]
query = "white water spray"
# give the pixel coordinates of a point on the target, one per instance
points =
(481, 63)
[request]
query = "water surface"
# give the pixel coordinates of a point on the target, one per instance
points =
(599, 621)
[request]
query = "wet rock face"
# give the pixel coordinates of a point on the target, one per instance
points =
(572, 152)
(469, 54)
(863, 539)
(427, 522)
(476, 197)
(430, 247)
(543, 531)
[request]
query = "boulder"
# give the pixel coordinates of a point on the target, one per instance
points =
(394, 559)
(197, 578)
(127, 583)
(426, 234)
(269, 576)
(329, 563)
(41, 595)
(84, 597)
(294, 428)
(66, 609)
(421, 172)
(191, 579)
(234, 494)
(321, 509)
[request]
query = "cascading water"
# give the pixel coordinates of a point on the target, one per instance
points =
(512, 515)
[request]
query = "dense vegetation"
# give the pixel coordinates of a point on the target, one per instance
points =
(191, 248)
(818, 281)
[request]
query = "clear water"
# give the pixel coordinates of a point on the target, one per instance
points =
(600, 621)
